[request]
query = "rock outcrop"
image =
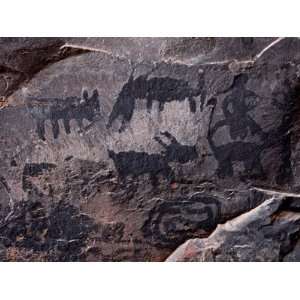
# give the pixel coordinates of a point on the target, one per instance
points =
(269, 232)
(123, 149)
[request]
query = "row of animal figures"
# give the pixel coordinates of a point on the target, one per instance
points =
(236, 107)
(161, 89)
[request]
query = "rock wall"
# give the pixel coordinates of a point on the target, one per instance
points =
(122, 149)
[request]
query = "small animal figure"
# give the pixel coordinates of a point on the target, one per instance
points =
(55, 109)
(176, 152)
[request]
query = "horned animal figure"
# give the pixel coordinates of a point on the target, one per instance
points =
(133, 163)
(176, 152)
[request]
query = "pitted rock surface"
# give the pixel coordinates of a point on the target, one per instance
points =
(123, 149)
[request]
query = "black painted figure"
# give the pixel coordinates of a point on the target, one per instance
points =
(161, 89)
(237, 151)
(138, 163)
(176, 152)
(71, 108)
(236, 107)
(172, 222)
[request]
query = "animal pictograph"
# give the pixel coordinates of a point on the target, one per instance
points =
(236, 107)
(176, 152)
(161, 89)
(237, 151)
(139, 163)
(132, 163)
(70, 108)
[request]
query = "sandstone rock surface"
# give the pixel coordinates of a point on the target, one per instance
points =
(123, 149)
(269, 232)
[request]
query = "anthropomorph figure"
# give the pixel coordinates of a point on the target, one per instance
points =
(236, 107)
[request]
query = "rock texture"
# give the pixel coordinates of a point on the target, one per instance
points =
(123, 149)
(269, 232)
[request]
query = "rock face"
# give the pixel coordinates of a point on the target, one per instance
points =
(123, 149)
(268, 232)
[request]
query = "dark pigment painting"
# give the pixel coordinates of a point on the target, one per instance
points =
(149, 149)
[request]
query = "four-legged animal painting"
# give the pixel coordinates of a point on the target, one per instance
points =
(70, 108)
(160, 89)
(236, 107)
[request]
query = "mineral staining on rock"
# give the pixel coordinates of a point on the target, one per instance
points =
(112, 150)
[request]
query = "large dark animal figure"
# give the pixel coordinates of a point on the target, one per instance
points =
(139, 163)
(161, 89)
(55, 109)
